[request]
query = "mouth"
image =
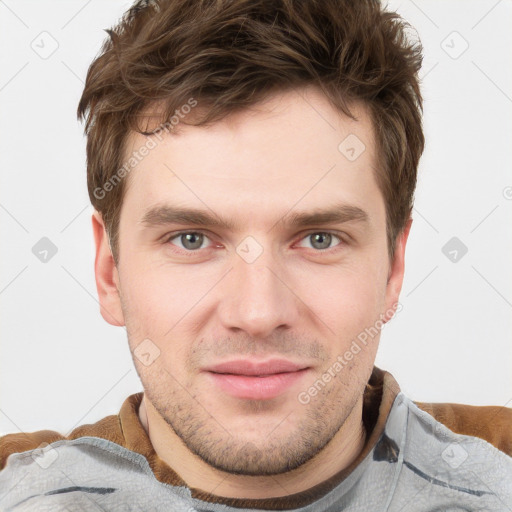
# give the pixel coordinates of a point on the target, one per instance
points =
(253, 380)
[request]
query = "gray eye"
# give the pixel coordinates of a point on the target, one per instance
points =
(191, 241)
(320, 240)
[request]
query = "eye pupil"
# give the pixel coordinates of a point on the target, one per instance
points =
(192, 240)
(324, 240)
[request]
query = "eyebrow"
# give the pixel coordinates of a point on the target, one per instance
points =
(162, 215)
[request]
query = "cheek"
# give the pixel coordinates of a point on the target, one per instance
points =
(163, 304)
(146, 301)
(155, 293)
(346, 299)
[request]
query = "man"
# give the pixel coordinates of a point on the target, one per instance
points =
(252, 165)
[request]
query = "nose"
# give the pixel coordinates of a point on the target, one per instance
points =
(258, 297)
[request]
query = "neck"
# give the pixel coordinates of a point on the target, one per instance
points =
(337, 455)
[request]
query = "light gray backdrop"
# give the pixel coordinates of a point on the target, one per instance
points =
(61, 365)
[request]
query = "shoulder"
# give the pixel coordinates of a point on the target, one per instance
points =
(490, 423)
(22, 442)
(107, 428)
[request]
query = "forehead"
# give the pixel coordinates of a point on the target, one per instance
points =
(295, 149)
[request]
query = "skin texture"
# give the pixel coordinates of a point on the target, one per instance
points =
(298, 300)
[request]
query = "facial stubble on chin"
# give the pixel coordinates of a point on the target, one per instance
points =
(206, 434)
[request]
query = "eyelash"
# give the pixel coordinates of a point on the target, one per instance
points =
(329, 250)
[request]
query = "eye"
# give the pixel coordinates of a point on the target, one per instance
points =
(321, 240)
(193, 241)
(190, 240)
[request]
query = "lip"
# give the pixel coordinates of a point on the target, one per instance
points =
(256, 380)
(255, 368)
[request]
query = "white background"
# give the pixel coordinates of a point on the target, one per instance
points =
(61, 365)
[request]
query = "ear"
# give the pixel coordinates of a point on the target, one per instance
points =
(396, 273)
(107, 277)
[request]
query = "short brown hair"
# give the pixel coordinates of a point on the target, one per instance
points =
(231, 54)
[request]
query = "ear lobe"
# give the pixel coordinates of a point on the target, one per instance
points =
(396, 272)
(106, 275)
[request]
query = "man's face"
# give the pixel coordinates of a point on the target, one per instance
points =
(244, 319)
